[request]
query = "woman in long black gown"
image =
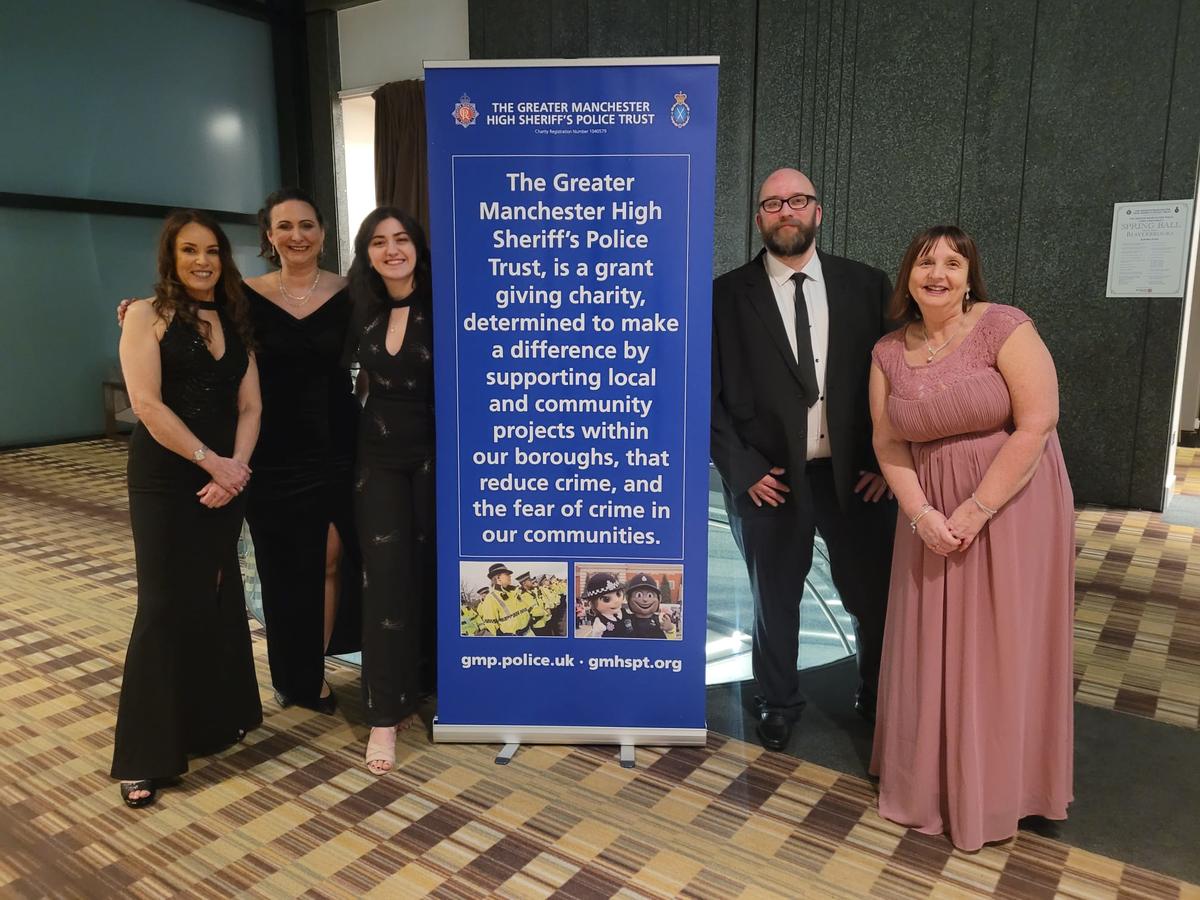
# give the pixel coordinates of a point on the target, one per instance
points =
(189, 686)
(392, 335)
(300, 510)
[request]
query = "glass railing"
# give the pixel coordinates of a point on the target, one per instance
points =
(826, 630)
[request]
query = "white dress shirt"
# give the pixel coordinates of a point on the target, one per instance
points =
(817, 304)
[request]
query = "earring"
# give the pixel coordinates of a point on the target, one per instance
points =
(966, 298)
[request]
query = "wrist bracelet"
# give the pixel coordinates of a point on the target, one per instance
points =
(925, 510)
(986, 510)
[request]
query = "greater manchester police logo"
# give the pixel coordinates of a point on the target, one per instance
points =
(681, 114)
(465, 112)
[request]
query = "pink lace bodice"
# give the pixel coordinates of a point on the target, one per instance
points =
(960, 393)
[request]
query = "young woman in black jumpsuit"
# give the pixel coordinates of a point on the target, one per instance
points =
(189, 686)
(391, 336)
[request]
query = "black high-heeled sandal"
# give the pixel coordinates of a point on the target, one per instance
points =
(146, 784)
(326, 705)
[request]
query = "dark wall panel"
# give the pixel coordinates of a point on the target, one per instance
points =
(910, 93)
(993, 138)
(778, 86)
(1179, 163)
(528, 29)
(1022, 120)
(734, 29)
(1095, 137)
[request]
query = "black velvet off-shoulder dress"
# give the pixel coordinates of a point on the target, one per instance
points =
(302, 484)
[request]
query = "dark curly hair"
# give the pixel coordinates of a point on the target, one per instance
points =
(283, 195)
(170, 296)
(902, 308)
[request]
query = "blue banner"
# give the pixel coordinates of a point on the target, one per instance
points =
(571, 229)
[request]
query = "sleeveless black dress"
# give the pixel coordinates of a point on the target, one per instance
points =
(303, 469)
(189, 687)
(396, 512)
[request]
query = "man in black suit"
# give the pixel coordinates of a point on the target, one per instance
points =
(791, 437)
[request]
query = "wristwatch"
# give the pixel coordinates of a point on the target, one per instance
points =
(200, 453)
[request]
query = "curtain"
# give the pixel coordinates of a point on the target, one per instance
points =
(401, 175)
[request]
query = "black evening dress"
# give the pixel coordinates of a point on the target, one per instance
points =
(395, 509)
(189, 687)
(303, 470)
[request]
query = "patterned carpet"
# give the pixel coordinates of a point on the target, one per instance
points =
(291, 812)
(1137, 616)
(1187, 471)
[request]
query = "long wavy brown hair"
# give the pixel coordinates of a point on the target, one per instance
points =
(902, 308)
(171, 298)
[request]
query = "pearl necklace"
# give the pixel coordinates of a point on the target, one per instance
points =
(298, 300)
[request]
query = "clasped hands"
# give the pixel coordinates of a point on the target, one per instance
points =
(229, 478)
(955, 534)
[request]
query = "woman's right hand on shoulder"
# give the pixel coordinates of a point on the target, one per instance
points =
(123, 307)
(231, 474)
(936, 534)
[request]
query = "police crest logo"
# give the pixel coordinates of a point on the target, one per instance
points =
(681, 113)
(465, 112)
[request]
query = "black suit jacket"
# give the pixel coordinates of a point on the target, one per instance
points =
(759, 410)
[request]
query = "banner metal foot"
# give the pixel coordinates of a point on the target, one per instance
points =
(628, 756)
(504, 757)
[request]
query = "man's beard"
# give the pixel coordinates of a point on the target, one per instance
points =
(796, 244)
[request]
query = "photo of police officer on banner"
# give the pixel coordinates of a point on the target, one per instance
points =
(494, 603)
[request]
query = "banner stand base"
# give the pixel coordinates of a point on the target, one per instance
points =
(627, 738)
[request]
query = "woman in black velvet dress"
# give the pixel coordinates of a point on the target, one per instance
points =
(392, 336)
(300, 510)
(189, 686)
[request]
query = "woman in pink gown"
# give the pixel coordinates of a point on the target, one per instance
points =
(975, 718)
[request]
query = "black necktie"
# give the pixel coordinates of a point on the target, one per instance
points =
(804, 353)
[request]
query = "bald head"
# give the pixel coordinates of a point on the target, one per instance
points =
(783, 183)
(789, 232)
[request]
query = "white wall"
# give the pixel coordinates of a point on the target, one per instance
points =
(388, 40)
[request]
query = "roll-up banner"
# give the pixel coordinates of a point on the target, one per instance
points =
(571, 219)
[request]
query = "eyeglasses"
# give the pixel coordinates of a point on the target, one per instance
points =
(797, 202)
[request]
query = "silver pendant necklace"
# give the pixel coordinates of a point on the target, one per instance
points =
(934, 351)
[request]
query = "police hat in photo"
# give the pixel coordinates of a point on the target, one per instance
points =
(498, 569)
(599, 584)
(524, 576)
(641, 580)
(484, 591)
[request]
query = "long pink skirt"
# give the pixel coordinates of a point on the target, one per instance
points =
(975, 724)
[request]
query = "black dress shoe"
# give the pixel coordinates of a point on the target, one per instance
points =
(774, 729)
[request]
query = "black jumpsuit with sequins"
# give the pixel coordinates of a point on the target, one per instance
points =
(395, 514)
(189, 686)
